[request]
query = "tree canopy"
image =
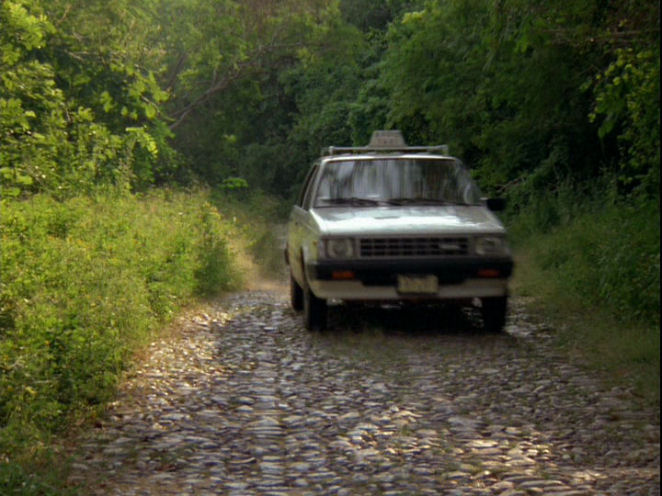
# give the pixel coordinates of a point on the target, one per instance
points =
(529, 93)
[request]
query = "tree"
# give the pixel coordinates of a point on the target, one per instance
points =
(76, 108)
(519, 88)
(240, 74)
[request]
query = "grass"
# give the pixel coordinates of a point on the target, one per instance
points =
(85, 283)
(260, 221)
(626, 353)
(594, 274)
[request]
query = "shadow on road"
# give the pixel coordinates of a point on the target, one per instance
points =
(412, 320)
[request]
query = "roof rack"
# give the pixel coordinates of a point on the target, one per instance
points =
(338, 150)
(385, 141)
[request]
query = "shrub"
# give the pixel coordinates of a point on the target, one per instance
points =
(84, 281)
(606, 255)
(595, 274)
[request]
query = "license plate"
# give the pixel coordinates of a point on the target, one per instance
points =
(418, 284)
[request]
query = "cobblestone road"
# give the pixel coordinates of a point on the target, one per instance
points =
(406, 402)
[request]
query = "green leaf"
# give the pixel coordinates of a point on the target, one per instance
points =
(10, 191)
(24, 180)
(107, 102)
(150, 111)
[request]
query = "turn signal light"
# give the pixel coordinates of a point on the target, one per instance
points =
(488, 273)
(342, 275)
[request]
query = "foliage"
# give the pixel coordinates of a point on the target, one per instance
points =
(529, 93)
(222, 58)
(491, 80)
(570, 236)
(323, 89)
(522, 90)
(84, 282)
(595, 274)
(75, 109)
(628, 101)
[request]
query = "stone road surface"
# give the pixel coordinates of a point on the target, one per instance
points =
(386, 402)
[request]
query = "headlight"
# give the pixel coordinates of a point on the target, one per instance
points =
(491, 245)
(338, 248)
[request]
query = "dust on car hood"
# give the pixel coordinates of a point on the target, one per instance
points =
(408, 220)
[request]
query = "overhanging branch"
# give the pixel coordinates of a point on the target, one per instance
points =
(218, 85)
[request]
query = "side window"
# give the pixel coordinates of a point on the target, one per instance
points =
(306, 191)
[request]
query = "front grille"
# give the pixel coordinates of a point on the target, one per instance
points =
(412, 247)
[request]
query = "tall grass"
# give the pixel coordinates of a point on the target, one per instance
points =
(592, 267)
(84, 282)
(261, 219)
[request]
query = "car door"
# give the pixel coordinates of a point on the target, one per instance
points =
(298, 227)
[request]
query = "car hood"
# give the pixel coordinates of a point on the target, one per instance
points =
(409, 220)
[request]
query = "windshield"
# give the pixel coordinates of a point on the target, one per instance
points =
(396, 181)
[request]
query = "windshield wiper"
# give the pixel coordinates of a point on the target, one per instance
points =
(352, 201)
(422, 201)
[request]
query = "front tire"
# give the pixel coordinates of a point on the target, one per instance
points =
(494, 313)
(314, 311)
(296, 295)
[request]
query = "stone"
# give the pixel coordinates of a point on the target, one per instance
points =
(246, 402)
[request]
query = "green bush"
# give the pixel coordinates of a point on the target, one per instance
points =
(85, 281)
(595, 274)
(608, 255)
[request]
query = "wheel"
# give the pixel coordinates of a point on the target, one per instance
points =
(296, 295)
(314, 311)
(494, 313)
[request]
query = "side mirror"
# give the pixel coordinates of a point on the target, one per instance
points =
(495, 204)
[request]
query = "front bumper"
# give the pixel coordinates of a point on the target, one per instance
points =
(377, 279)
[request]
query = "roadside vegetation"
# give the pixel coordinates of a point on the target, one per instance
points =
(260, 222)
(591, 269)
(86, 282)
(127, 126)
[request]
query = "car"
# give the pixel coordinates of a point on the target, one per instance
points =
(387, 223)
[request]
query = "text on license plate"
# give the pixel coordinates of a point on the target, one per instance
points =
(418, 284)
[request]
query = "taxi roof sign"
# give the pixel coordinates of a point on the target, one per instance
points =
(387, 139)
